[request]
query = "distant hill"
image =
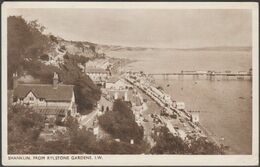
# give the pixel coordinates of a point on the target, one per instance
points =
(221, 48)
(107, 48)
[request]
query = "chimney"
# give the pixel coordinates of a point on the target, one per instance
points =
(15, 78)
(55, 80)
(126, 96)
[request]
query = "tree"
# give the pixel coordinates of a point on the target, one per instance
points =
(86, 92)
(53, 38)
(114, 147)
(203, 146)
(166, 143)
(25, 41)
(63, 47)
(44, 57)
(120, 122)
(26, 44)
(24, 127)
(18, 39)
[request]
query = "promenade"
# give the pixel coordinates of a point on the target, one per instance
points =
(181, 126)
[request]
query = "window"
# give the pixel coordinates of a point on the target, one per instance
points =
(31, 98)
(51, 126)
(15, 99)
(41, 99)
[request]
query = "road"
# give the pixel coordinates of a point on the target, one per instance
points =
(87, 120)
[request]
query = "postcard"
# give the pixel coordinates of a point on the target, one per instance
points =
(130, 83)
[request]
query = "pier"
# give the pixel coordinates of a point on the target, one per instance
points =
(209, 75)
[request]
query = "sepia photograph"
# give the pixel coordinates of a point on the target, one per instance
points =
(117, 79)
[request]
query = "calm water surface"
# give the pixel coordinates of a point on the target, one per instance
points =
(226, 108)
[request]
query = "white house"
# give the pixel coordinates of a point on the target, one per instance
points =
(104, 104)
(117, 88)
(195, 116)
(49, 99)
(117, 84)
(167, 99)
(180, 105)
(97, 75)
(98, 63)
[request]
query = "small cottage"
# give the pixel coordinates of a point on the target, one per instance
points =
(53, 100)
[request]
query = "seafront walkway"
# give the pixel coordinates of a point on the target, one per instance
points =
(183, 115)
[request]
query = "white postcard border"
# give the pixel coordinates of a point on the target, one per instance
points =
(127, 160)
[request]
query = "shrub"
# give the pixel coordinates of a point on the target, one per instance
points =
(24, 127)
(166, 143)
(44, 57)
(53, 38)
(120, 122)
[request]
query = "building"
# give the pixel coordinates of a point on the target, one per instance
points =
(98, 63)
(113, 94)
(116, 88)
(104, 104)
(97, 75)
(180, 105)
(136, 101)
(167, 98)
(195, 116)
(53, 100)
(116, 84)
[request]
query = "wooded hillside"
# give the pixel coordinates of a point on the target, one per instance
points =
(28, 49)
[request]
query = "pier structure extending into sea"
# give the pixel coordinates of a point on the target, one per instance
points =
(209, 75)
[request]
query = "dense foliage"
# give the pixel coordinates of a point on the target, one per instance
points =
(25, 41)
(166, 143)
(25, 125)
(26, 48)
(120, 123)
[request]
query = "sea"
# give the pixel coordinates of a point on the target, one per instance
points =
(225, 105)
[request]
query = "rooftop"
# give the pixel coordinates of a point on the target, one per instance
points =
(95, 70)
(113, 79)
(45, 91)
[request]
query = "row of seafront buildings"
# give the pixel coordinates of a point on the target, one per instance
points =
(144, 83)
(170, 106)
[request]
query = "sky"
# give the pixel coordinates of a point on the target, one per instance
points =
(163, 28)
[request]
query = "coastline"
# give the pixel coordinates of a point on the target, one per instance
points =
(186, 127)
(220, 118)
(211, 136)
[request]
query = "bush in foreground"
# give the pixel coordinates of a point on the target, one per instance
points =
(166, 143)
(120, 123)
